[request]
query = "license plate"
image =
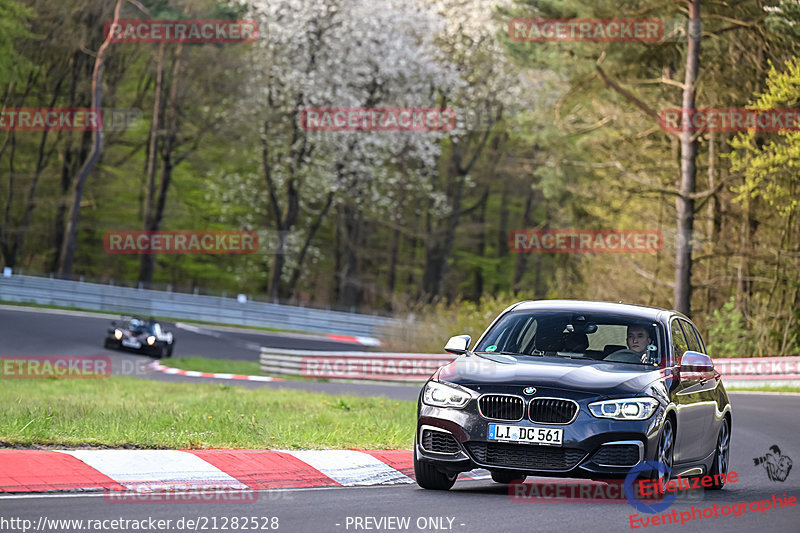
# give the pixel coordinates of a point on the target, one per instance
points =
(526, 435)
(131, 344)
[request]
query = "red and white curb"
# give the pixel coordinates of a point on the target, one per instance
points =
(155, 365)
(364, 341)
(155, 470)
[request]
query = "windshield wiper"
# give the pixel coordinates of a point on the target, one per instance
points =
(572, 356)
(512, 353)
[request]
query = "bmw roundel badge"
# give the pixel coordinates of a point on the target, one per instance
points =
(528, 390)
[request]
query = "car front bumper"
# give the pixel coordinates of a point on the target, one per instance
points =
(591, 447)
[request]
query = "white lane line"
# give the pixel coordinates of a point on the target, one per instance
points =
(195, 329)
(155, 365)
(478, 473)
(369, 341)
(138, 468)
(351, 468)
(99, 493)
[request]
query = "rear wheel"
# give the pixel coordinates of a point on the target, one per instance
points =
(428, 477)
(720, 467)
(508, 477)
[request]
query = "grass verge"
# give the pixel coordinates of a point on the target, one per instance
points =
(123, 412)
(227, 366)
(205, 364)
(767, 388)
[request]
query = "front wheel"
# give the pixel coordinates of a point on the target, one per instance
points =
(719, 470)
(664, 454)
(428, 477)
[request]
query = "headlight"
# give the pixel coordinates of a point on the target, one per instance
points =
(441, 395)
(625, 409)
(151, 339)
(117, 334)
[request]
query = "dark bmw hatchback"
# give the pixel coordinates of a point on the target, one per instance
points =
(575, 389)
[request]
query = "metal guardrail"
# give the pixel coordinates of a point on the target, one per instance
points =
(361, 366)
(757, 371)
(115, 299)
(415, 367)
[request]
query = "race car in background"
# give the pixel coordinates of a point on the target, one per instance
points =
(141, 335)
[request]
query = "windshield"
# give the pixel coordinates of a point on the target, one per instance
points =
(600, 337)
(137, 326)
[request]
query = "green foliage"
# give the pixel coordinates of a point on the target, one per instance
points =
(770, 168)
(428, 331)
(728, 335)
(12, 29)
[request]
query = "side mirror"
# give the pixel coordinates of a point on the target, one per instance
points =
(114, 323)
(458, 345)
(695, 363)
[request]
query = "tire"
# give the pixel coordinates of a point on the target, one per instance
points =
(107, 344)
(665, 452)
(169, 350)
(721, 456)
(428, 477)
(507, 477)
(163, 353)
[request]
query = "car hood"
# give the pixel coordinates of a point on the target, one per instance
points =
(559, 373)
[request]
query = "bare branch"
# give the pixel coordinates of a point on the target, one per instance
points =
(650, 112)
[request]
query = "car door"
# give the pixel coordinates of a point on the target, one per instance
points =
(692, 400)
(707, 391)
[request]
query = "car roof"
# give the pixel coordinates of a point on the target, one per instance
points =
(588, 306)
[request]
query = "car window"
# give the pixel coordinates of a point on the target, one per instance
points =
(594, 336)
(679, 345)
(607, 334)
(699, 339)
(691, 337)
(525, 337)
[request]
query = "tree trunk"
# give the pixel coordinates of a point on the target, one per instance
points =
(684, 201)
(350, 291)
(522, 258)
(298, 269)
(5, 233)
(74, 218)
(480, 251)
(155, 214)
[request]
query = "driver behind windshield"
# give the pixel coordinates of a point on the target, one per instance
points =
(638, 340)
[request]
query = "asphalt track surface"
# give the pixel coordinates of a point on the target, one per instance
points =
(759, 421)
(26, 331)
